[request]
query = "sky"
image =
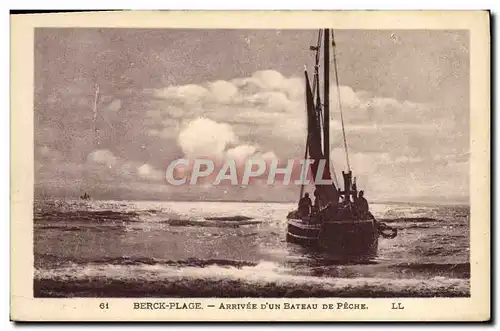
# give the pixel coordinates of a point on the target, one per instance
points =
(166, 94)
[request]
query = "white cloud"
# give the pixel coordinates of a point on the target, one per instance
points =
(348, 97)
(103, 157)
(204, 137)
(275, 101)
(241, 152)
(191, 93)
(48, 153)
(146, 171)
(223, 91)
(104, 164)
(267, 156)
(267, 79)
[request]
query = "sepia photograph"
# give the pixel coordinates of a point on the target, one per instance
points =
(387, 110)
(285, 163)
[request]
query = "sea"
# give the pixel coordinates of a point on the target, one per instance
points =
(89, 248)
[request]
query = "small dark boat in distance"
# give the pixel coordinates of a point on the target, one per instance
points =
(339, 222)
(85, 196)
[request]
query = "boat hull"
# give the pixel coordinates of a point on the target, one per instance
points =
(339, 237)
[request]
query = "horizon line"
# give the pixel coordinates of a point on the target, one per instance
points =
(426, 201)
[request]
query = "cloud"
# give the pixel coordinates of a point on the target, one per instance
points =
(263, 80)
(205, 137)
(267, 156)
(103, 157)
(222, 91)
(146, 171)
(48, 154)
(105, 165)
(189, 94)
(241, 152)
(348, 98)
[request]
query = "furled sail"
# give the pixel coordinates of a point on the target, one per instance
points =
(313, 129)
(327, 193)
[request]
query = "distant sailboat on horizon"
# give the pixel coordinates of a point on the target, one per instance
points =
(85, 196)
(96, 131)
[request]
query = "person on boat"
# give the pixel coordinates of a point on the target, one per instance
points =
(305, 205)
(344, 201)
(316, 205)
(361, 203)
(355, 191)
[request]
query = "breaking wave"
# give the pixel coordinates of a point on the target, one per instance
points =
(214, 280)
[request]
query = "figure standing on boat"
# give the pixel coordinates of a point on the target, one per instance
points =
(361, 203)
(305, 205)
(316, 206)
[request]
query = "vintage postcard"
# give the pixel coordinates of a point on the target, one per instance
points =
(251, 166)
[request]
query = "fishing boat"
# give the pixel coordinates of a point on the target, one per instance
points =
(338, 222)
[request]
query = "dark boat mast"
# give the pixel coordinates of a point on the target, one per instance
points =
(318, 146)
(320, 126)
(325, 226)
(326, 98)
(349, 188)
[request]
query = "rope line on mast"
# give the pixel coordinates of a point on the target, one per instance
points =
(340, 103)
(318, 106)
